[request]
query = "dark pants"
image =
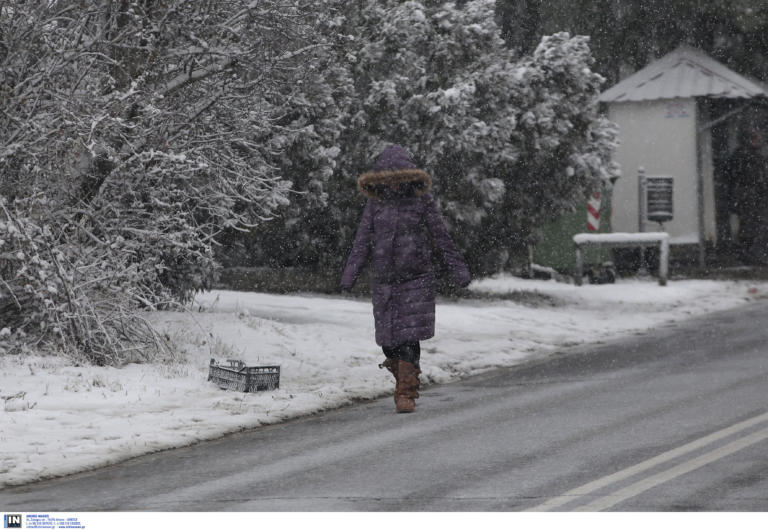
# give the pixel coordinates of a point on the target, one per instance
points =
(408, 351)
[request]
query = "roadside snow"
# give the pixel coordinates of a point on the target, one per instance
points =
(59, 419)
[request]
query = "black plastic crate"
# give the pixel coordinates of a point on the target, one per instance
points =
(237, 376)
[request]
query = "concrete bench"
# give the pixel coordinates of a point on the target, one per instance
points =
(621, 239)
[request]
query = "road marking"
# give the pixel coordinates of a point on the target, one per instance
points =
(556, 502)
(686, 467)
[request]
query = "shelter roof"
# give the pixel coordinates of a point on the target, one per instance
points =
(683, 73)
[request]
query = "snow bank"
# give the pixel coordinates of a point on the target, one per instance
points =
(60, 419)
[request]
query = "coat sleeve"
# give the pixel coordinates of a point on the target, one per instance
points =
(456, 265)
(360, 249)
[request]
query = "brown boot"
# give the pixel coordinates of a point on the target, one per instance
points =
(391, 365)
(407, 387)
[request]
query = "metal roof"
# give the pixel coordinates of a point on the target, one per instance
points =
(684, 73)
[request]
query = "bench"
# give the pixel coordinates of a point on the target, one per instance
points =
(623, 239)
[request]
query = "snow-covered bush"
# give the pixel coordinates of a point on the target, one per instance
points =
(144, 131)
(58, 294)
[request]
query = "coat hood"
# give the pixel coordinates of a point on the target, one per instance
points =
(394, 166)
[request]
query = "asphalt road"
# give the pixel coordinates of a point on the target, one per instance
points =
(676, 419)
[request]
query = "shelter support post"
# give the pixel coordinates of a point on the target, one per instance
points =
(700, 204)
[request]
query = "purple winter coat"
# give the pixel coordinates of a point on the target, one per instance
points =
(395, 233)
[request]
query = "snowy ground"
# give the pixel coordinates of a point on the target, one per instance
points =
(59, 419)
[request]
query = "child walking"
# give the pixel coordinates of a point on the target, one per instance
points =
(399, 221)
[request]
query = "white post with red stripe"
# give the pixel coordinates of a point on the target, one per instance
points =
(593, 212)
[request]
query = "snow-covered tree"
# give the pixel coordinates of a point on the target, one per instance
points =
(145, 138)
(510, 141)
(136, 132)
(565, 145)
(302, 233)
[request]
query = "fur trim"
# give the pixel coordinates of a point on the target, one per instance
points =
(368, 182)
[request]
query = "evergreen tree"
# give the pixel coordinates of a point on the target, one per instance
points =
(509, 141)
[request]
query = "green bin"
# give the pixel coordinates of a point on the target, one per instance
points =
(555, 246)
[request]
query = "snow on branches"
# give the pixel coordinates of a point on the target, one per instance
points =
(135, 134)
(146, 140)
(510, 141)
(59, 293)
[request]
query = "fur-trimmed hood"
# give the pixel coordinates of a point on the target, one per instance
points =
(374, 183)
(393, 168)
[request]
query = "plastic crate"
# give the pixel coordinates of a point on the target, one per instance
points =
(243, 378)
